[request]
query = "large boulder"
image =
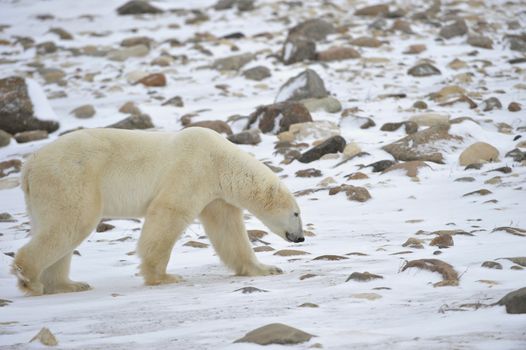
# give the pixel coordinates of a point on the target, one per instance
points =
(423, 145)
(307, 84)
(278, 117)
(18, 111)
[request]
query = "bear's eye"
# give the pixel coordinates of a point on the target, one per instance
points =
(296, 214)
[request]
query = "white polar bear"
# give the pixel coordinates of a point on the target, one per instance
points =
(168, 178)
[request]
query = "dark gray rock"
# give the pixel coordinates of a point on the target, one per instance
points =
(423, 70)
(381, 165)
(490, 104)
(458, 28)
(175, 101)
(257, 73)
(517, 42)
(5, 138)
(515, 301)
(307, 84)
(312, 29)
(492, 265)
(138, 7)
(46, 47)
(135, 121)
(517, 155)
(16, 108)
(224, 5)
(333, 144)
(275, 333)
(298, 49)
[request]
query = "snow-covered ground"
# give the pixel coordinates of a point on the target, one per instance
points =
(206, 311)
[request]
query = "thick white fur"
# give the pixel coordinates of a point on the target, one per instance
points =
(168, 178)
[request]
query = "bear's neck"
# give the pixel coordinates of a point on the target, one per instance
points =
(249, 184)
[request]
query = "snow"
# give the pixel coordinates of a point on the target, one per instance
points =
(204, 312)
(41, 107)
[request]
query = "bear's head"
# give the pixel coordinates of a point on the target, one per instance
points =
(282, 215)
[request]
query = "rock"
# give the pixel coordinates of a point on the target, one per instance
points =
(430, 119)
(298, 49)
(402, 26)
(442, 241)
(480, 41)
(481, 192)
(29, 136)
(381, 165)
(163, 61)
(391, 126)
(421, 145)
(328, 104)
(491, 265)
(351, 150)
(290, 252)
(245, 5)
(5, 138)
(517, 155)
(135, 121)
(312, 29)
(154, 80)
(250, 290)
(218, 126)
(263, 248)
(357, 176)
(363, 277)
(321, 129)
(137, 40)
(129, 108)
(278, 117)
(309, 305)
(333, 144)
(64, 35)
(224, 5)
(275, 333)
(372, 11)
(423, 70)
(491, 104)
(247, 137)
(458, 28)
(46, 48)
(514, 107)
(415, 49)
(104, 227)
(175, 101)
(365, 41)
(367, 296)
(494, 180)
(311, 172)
(17, 112)
(196, 244)
(479, 152)
(138, 7)
(307, 84)
(515, 301)
(257, 73)
(410, 127)
(121, 55)
(411, 168)
(420, 105)
(83, 112)
(45, 337)
(337, 53)
(234, 62)
(354, 193)
(414, 243)
(517, 43)
(11, 166)
(330, 257)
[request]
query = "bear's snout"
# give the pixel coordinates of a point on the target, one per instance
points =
(294, 239)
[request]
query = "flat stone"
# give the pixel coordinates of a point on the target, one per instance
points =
(195, 244)
(290, 252)
(276, 333)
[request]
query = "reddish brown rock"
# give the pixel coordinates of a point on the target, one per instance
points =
(216, 125)
(154, 80)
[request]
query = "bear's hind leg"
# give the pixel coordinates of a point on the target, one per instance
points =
(56, 278)
(163, 225)
(226, 230)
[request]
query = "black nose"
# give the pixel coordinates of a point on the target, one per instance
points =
(300, 239)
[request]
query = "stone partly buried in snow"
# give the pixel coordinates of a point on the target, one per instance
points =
(457, 28)
(328, 104)
(423, 70)
(257, 73)
(307, 84)
(337, 53)
(410, 168)
(515, 301)
(17, 112)
(422, 145)
(278, 117)
(276, 333)
(135, 121)
(234, 62)
(138, 7)
(354, 193)
(123, 54)
(247, 137)
(333, 144)
(216, 125)
(477, 153)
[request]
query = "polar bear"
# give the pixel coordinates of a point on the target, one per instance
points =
(168, 178)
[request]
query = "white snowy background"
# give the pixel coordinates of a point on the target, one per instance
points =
(205, 311)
